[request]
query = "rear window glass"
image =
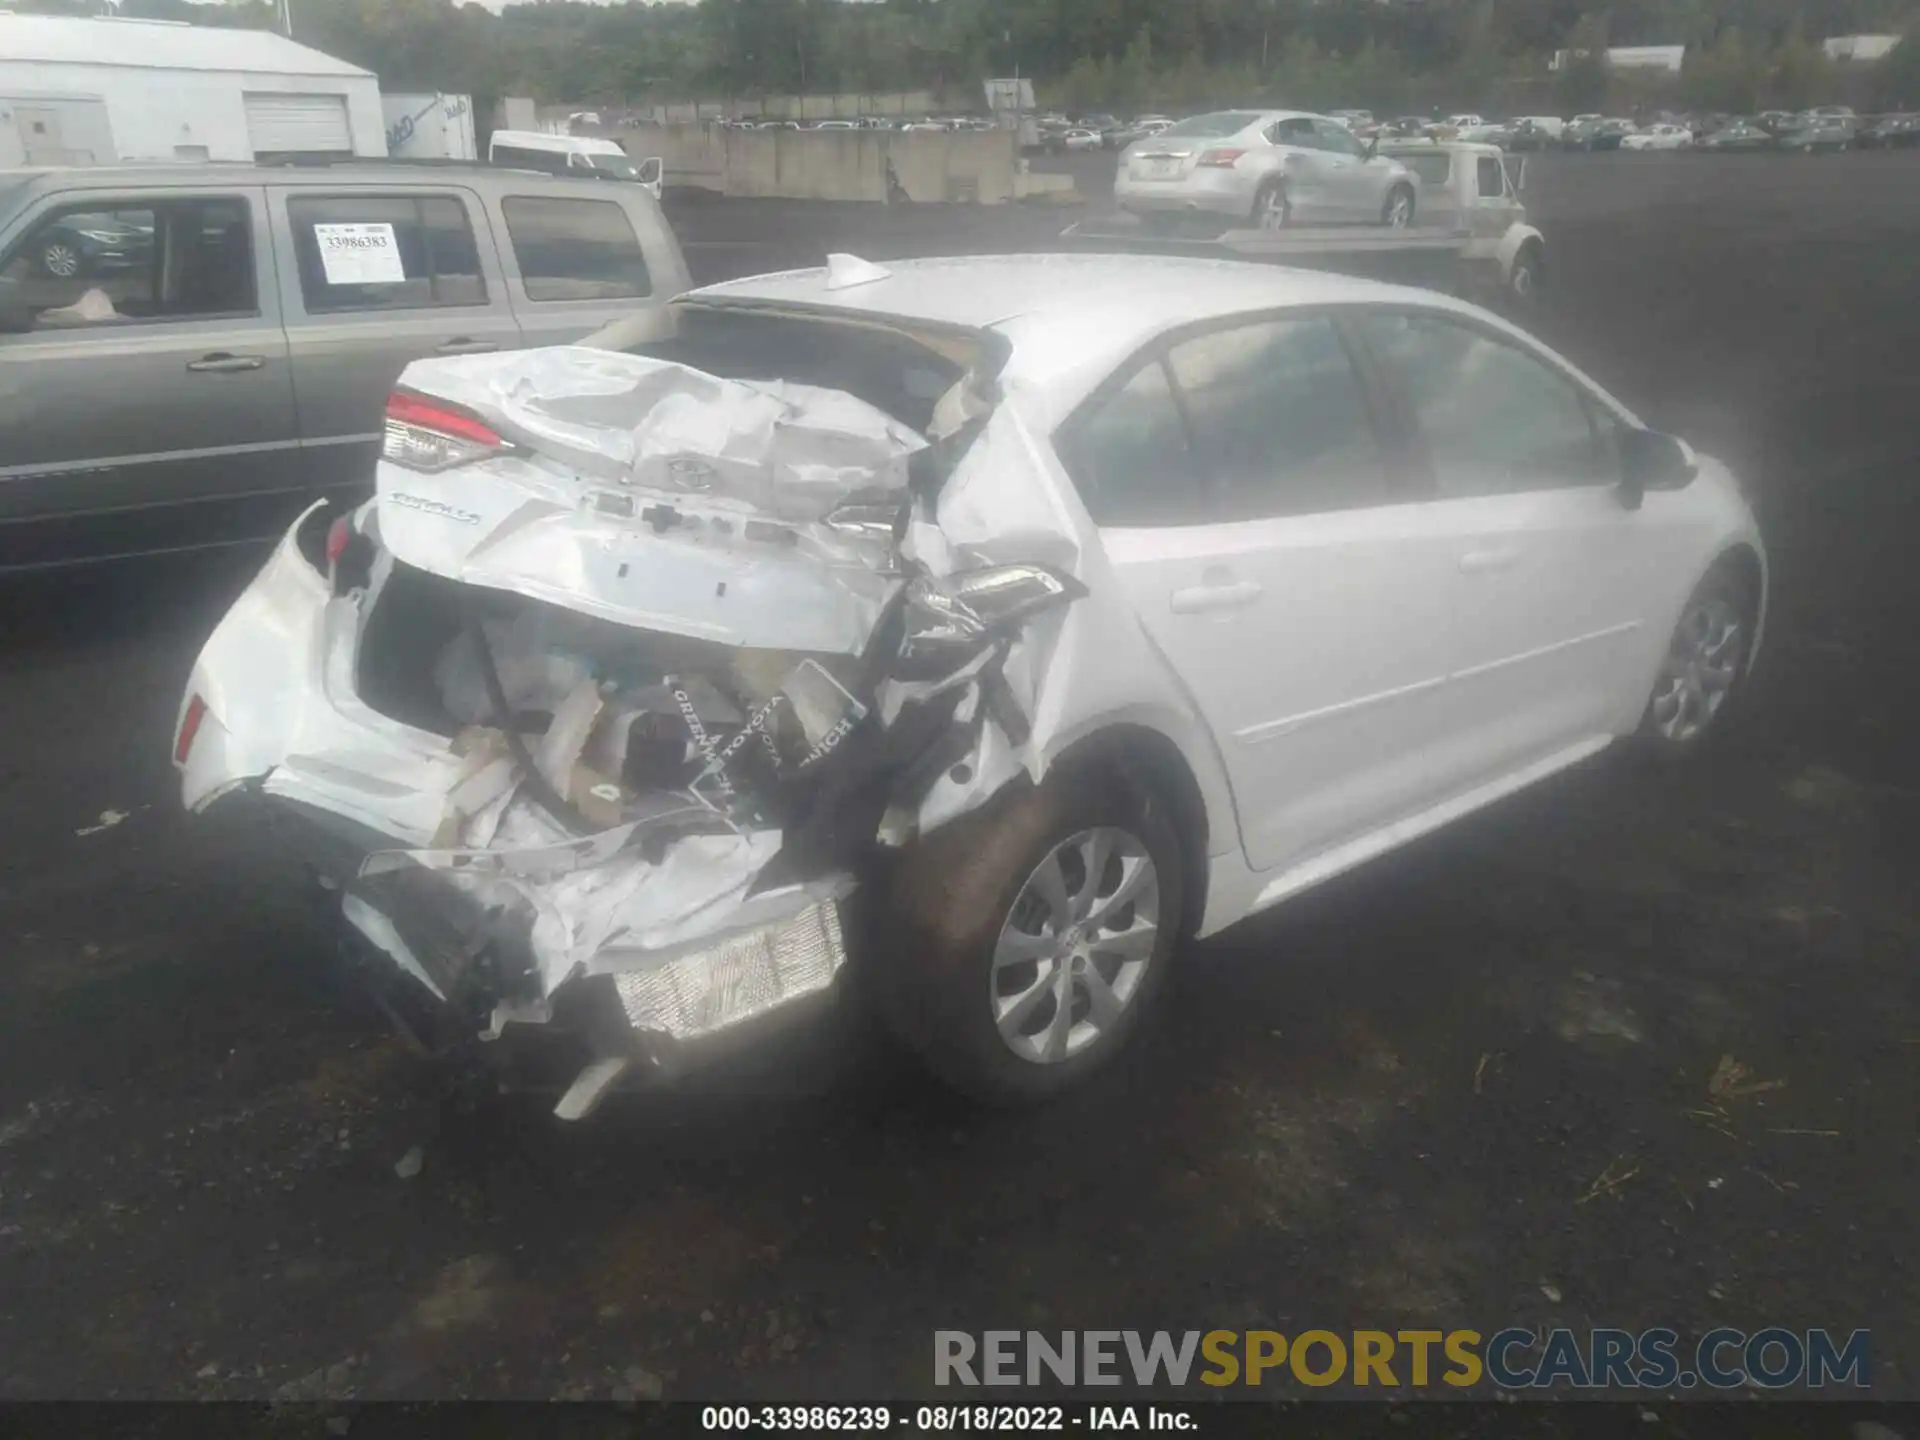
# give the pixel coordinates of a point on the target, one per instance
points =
(890, 371)
(384, 252)
(576, 249)
(1220, 122)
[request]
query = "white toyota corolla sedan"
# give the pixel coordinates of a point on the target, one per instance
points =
(978, 630)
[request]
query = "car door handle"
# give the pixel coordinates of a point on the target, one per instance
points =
(221, 363)
(461, 345)
(1481, 561)
(1201, 598)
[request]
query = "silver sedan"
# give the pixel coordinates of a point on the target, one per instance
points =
(1268, 167)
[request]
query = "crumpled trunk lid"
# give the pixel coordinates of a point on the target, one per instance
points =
(653, 494)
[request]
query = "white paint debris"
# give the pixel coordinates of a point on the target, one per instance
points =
(409, 1164)
(108, 819)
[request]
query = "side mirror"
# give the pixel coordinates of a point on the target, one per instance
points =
(1373, 147)
(1650, 460)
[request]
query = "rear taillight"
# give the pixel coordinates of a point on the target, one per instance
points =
(1219, 159)
(189, 728)
(428, 434)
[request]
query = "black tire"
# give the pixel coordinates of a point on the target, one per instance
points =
(1263, 199)
(1523, 282)
(1727, 583)
(1397, 193)
(943, 915)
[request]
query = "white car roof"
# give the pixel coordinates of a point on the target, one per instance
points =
(1071, 318)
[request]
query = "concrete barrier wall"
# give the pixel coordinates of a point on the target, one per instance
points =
(976, 167)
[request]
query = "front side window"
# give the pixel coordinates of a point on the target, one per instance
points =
(1493, 178)
(576, 249)
(1337, 138)
(1279, 420)
(108, 263)
(384, 252)
(1495, 420)
(1130, 458)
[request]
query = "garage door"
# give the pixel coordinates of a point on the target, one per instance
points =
(306, 124)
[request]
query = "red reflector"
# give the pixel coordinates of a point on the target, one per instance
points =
(338, 534)
(408, 408)
(189, 728)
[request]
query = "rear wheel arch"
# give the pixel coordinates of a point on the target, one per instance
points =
(1151, 763)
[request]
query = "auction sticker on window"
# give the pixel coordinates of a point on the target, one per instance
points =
(359, 254)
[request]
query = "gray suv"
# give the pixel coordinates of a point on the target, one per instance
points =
(188, 355)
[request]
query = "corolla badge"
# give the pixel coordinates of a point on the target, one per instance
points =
(433, 507)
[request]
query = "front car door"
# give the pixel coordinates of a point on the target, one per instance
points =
(577, 262)
(145, 394)
(1357, 187)
(1561, 584)
(1259, 525)
(378, 277)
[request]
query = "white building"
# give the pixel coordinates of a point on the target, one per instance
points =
(1634, 57)
(89, 92)
(1859, 47)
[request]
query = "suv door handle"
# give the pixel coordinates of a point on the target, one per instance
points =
(220, 362)
(1482, 561)
(1201, 598)
(462, 345)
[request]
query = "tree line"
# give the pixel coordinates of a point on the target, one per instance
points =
(1389, 55)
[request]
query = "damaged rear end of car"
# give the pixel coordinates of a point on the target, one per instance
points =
(601, 719)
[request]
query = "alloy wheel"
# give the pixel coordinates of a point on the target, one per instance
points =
(1273, 210)
(1701, 665)
(1400, 210)
(1076, 945)
(60, 259)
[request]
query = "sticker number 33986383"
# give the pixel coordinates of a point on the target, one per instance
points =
(359, 254)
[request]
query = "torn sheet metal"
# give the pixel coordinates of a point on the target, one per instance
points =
(656, 495)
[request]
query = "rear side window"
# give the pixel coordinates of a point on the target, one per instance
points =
(384, 252)
(1432, 169)
(576, 249)
(1279, 419)
(1130, 458)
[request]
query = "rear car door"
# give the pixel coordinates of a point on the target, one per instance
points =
(1257, 521)
(1559, 578)
(576, 262)
(376, 277)
(145, 394)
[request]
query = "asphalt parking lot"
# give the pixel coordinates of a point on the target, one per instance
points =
(1481, 1083)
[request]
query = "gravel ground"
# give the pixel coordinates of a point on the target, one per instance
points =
(1469, 1086)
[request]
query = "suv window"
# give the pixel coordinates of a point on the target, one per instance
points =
(384, 252)
(1492, 178)
(576, 249)
(108, 263)
(1130, 458)
(1495, 419)
(1279, 420)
